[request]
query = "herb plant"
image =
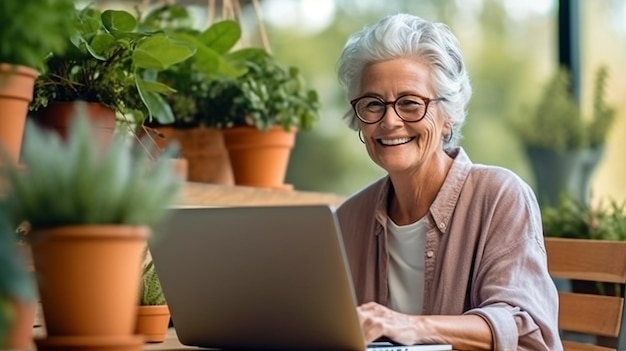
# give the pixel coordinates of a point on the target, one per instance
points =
(215, 58)
(112, 61)
(268, 94)
(30, 30)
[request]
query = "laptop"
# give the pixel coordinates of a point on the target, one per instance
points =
(260, 278)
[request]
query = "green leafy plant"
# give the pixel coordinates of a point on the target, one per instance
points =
(574, 219)
(73, 182)
(30, 30)
(151, 291)
(112, 61)
(15, 282)
(557, 123)
(603, 115)
(268, 94)
(215, 58)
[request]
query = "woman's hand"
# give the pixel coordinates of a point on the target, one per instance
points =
(378, 321)
(464, 332)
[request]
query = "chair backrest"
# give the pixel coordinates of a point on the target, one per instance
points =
(590, 319)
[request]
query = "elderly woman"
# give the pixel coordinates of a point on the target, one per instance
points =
(441, 250)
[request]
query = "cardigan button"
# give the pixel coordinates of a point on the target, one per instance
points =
(430, 254)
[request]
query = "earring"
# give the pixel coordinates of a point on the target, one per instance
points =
(448, 138)
(360, 134)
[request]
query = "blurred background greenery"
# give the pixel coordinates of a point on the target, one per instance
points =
(511, 50)
(510, 47)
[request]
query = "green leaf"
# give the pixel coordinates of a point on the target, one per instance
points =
(246, 55)
(159, 52)
(206, 61)
(91, 50)
(101, 43)
(157, 87)
(118, 21)
(89, 24)
(186, 38)
(158, 108)
(221, 36)
(144, 59)
(229, 70)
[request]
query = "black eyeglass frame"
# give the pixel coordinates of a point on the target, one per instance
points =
(427, 101)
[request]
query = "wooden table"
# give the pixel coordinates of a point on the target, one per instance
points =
(171, 342)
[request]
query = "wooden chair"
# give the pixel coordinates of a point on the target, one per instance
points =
(584, 313)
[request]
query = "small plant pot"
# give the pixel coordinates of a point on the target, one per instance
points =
(207, 157)
(58, 117)
(152, 322)
(259, 158)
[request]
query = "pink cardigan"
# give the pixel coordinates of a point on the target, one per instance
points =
(484, 253)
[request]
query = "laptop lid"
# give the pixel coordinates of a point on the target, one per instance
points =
(257, 277)
(271, 277)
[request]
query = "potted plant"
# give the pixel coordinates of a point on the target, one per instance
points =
(562, 145)
(29, 31)
(216, 57)
(113, 64)
(90, 213)
(260, 113)
(17, 293)
(572, 218)
(153, 315)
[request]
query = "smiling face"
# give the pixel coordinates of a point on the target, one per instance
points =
(395, 145)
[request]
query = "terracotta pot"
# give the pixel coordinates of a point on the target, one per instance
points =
(58, 116)
(16, 92)
(152, 322)
(88, 278)
(205, 152)
(259, 158)
(181, 167)
(20, 336)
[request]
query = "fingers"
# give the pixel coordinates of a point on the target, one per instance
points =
(378, 321)
(372, 322)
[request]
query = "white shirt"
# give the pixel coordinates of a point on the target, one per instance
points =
(406, 266)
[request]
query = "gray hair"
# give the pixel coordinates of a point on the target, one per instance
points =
(404, 35)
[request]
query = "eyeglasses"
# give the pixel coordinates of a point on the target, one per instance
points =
(410, 108)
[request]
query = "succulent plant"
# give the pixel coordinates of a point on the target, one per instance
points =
(151, 291)
(75, 182)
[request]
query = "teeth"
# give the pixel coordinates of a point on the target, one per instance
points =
(396, 141)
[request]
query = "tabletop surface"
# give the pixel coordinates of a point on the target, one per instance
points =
(171, 342)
